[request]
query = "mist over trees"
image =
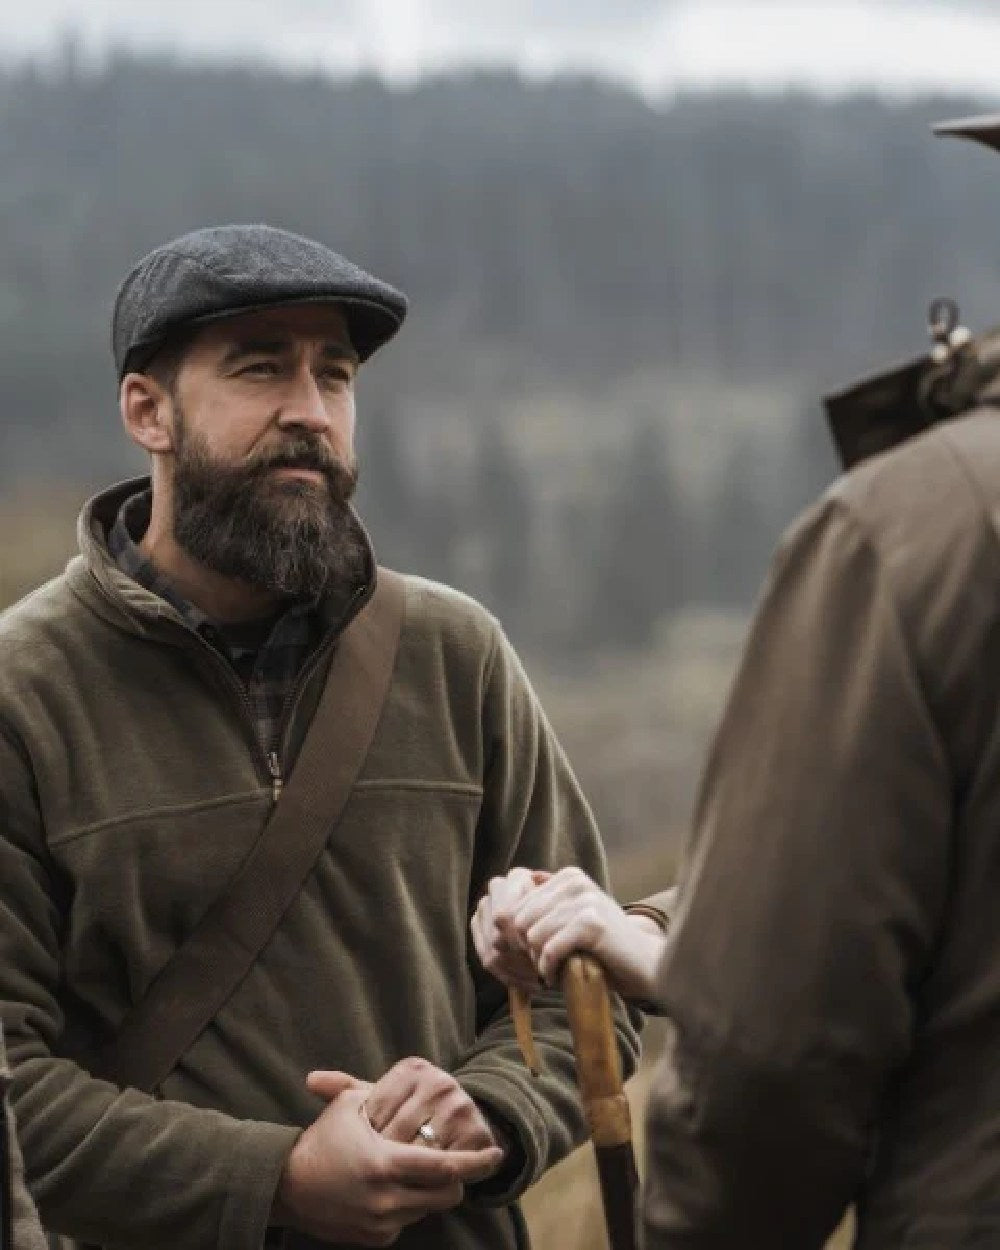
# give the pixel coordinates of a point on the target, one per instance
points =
(604, 405)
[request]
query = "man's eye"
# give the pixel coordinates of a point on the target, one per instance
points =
(259, 368)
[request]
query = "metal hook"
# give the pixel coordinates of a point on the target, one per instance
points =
(942, 318)
(945, 332)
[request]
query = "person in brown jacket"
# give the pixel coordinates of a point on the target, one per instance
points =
(832, 977)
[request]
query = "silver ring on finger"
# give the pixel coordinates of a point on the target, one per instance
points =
(427, 1134)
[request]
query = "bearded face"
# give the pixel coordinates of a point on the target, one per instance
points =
(252, 520)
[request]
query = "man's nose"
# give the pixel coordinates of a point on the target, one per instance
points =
(304, 405)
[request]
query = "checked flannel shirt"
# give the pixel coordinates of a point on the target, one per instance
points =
(267, 655)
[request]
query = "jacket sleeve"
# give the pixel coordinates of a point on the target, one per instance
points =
(809, 902)
(107, 1165)
(534, 815)
(19, 1224)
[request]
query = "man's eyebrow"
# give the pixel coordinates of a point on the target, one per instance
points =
(339, 351)
(333, 350)
(254, 347)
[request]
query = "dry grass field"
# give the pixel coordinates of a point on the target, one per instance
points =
(39, 535)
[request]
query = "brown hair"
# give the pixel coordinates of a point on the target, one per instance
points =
(165, 363)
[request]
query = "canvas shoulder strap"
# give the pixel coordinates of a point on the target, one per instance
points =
(206, 969)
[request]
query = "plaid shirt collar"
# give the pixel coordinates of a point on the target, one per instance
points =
(133, 519)
(267, 656)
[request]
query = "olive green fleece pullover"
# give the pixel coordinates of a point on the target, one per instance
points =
(131, 788)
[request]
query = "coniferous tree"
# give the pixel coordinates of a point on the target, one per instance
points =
(387, 494)
(639, 569)
(737, 535)
(503, 512)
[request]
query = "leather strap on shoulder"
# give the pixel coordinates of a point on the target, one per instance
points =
(207, 968)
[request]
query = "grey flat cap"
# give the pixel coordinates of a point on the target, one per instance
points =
(983, 129)
(224, 270)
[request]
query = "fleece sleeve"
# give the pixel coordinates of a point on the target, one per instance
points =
(19, 1224)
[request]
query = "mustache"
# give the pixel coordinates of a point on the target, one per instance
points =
(308, 454)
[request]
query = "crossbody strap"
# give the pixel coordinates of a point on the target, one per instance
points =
(206, 969)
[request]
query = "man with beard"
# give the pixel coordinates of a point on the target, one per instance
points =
(153, 701)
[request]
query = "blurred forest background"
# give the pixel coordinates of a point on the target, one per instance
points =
(604, 407)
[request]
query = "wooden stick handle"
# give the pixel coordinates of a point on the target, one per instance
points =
(598, 1063)
(520, 1010)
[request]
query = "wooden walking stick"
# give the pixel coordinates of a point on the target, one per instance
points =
(599, 1075)
(520, 1010)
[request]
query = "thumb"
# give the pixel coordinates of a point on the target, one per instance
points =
(331, 1084)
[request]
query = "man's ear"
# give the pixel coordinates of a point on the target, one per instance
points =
(147, 412)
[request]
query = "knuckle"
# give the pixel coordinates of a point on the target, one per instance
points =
(381, 1203)
(522, 880)
(591, 927)
(466, 1116)
(381, 1172)
(442, 1092)
(456, 1108)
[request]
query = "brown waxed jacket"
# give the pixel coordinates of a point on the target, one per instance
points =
(832, 976)
(19, 1225)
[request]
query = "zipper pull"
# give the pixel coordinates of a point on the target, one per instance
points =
(277, 781)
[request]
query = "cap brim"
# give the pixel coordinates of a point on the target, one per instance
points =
(370, 324)
(984, 129)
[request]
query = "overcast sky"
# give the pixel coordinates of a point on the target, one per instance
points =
(896, 45)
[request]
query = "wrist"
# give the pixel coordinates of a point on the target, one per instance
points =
(513, 1155)
(646, 924)
(637, 977)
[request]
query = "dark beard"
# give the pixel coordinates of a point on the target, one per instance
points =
(291, 538)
